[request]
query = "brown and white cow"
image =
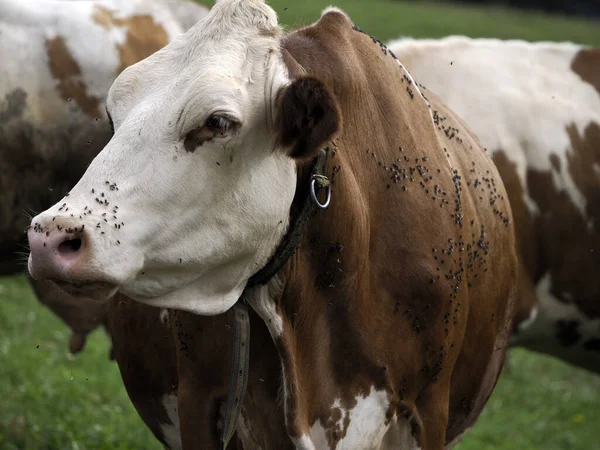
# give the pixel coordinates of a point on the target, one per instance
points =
(536, 107)
(391, 320)
(59, 60)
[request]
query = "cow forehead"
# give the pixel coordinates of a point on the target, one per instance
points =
(230, 27)
(216, 79)
(230, 14)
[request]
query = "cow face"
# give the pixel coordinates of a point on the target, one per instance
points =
(192, 194)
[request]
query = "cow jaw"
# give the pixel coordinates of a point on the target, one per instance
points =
(182, 215)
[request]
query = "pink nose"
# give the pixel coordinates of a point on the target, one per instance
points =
(54, 251)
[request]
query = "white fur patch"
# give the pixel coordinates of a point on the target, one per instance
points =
(367, 427)
(171, 431)
(552, 309)
(529, 321)
(303, 443)
(262, 299)
(163, 315)
(244, 432)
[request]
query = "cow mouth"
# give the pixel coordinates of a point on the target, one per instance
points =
(96, 290)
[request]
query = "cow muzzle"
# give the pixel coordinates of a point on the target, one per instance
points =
(61, 252)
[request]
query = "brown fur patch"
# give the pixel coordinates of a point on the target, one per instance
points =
(148, 365)
(587, 65)
(13, 106)
(555, 161)
(524, 228)
(144, 36)
(522, 217)
(584, 165)
(196, 138)
(571, 249)
(67, 72)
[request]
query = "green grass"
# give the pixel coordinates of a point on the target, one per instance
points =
(389, 19)
(50, 400)
(539, 403)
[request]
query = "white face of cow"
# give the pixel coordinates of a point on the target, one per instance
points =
(192, 194)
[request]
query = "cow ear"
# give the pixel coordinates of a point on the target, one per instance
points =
(307, 117)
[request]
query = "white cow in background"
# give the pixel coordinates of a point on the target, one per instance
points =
(59, 59)
(536, 107)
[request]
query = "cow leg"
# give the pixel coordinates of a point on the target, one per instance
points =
(82, 315)
(562, 330)
(432, 406)
(420, 425)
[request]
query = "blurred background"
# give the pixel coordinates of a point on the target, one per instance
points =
(586, 8)
(52, 400)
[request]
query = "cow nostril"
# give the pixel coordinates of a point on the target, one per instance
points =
(70, 246)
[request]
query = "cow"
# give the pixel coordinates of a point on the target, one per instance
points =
(536, 107)
(59, 61)
(363, 224)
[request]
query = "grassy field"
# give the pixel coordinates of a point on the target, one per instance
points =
(50, 400)
(53, 401)
(389, 19)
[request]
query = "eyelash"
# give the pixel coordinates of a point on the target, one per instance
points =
(218, 124)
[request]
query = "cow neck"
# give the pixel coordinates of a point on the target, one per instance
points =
(303, 206)
(302, 209)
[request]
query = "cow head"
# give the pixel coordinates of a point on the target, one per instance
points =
(192, 194)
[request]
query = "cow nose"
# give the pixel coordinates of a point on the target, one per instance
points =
(54, 253)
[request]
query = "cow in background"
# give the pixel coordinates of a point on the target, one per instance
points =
(59, 59)
(536, 107)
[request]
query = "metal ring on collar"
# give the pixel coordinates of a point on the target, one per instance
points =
(323, 184)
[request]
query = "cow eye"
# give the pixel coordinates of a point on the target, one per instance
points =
(219, 124)
(214, 127)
